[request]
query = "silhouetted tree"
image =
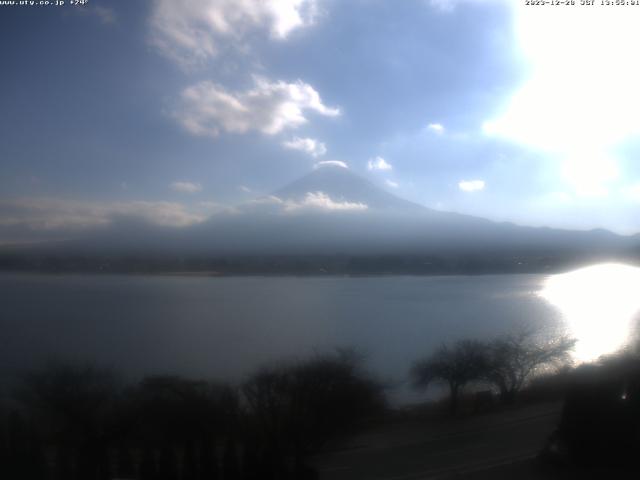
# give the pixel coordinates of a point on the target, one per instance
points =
(209, 469)
(513, 360)
(230, 466)
(63, 464)
(170, 409)
(167, 427)
(148, 467)
(600, 422)
(457, 365)
(73, 407)
(189, 462)
(24, 456)
(296, 408)
(167, 463)
(208, 460)
(251, 468)
(124, 463)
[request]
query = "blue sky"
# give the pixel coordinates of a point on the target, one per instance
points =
(171, 110)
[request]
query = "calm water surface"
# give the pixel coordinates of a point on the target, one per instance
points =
(226, 327)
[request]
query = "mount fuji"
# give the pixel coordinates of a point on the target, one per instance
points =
(331, 220)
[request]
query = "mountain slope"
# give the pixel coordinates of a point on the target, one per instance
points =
(321, 216)
(309, 216)
(342, 185)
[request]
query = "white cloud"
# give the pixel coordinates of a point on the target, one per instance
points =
(288, 15)
(330, 163)
(245, 189)
(269, 107)
(392, 184)
(192, 31)
(436, 128)
(308, 145)
(53, 214)
(471, 185)
(312, 201)
(322, 201)
(267, 200)
(378, 163)
(185, 187)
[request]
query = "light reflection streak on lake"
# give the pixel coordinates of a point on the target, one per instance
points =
(599, 304)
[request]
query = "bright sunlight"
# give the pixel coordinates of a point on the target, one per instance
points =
(599, 304)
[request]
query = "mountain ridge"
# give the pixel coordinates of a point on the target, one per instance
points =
(317, 224)
(342, 184)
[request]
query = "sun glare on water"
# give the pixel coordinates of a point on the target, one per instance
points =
(599, 304)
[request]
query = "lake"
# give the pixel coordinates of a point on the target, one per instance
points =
(226, 327)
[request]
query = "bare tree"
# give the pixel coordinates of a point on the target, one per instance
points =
(71, 401)
(73, 406)
(456, 366)
(298, 407)
(513, 360)
(170, 409)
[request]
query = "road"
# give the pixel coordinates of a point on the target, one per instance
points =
(463, 448)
